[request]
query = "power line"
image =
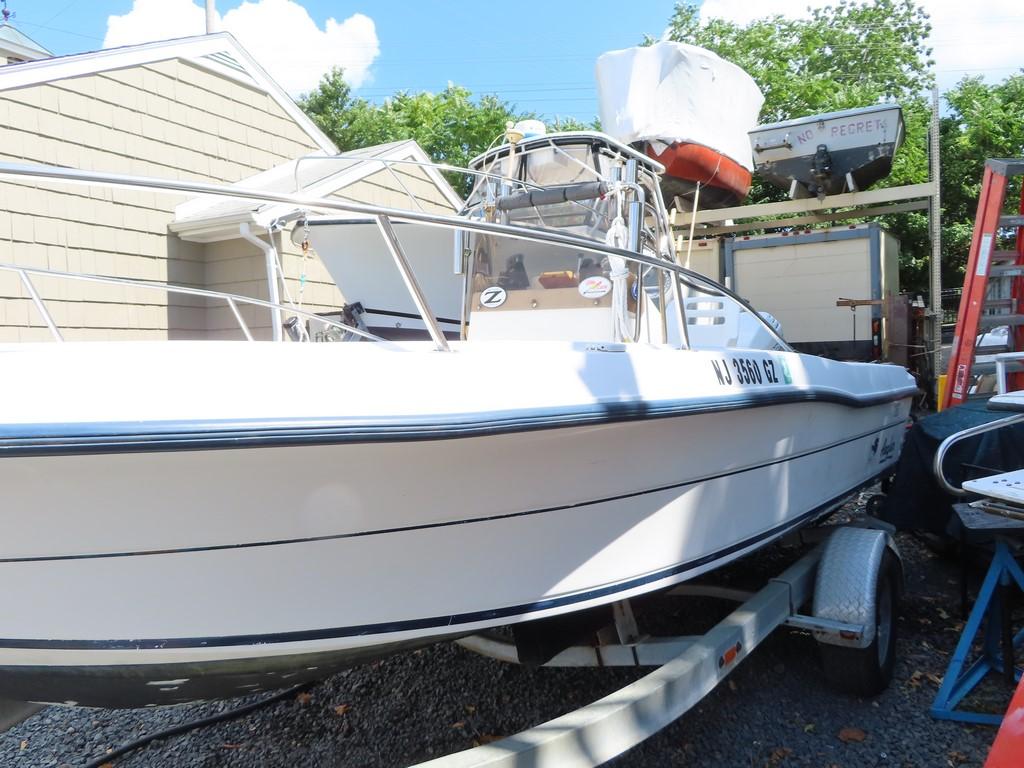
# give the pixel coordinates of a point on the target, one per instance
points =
(525, 91)
(55, 29)
(60, 12)
(492, 85)
(554, 100)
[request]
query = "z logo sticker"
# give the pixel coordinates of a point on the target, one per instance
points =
(493, 297)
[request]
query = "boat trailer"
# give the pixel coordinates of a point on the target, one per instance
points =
(851, 580)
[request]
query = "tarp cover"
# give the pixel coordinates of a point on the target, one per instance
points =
(916, 501)
(671, 92)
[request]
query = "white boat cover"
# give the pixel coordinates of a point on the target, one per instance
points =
(673, 92)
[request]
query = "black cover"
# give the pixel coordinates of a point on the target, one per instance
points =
(915, 501)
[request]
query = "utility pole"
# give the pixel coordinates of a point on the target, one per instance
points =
(935, 230)
(211, 17)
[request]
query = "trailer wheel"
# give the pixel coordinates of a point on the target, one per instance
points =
(874, 505)
(868, 671)
(859, 581)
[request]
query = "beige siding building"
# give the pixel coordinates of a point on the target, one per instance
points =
(196, 109)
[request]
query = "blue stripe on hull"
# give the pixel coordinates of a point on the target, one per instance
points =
(121, 437)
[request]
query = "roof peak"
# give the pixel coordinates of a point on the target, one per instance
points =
(16, 45)
(199, 50)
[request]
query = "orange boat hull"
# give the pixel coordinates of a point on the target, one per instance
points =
(695, 164)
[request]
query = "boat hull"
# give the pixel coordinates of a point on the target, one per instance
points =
(822, 154)
(723, 181)
(171, 571)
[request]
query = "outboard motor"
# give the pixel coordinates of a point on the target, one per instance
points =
(822, 170)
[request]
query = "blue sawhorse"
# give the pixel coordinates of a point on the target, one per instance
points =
(990, 616)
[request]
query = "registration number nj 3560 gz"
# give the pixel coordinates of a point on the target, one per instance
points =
(745, 370)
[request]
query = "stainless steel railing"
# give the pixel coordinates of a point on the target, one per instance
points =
(232, 300)
(1002, 361)
(680, 275)
(945, 446)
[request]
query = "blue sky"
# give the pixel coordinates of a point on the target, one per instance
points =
(538, 55)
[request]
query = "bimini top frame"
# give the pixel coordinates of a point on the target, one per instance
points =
(384, 217)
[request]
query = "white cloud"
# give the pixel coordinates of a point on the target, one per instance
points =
(967, 38)
(155, 20)
(280, 34)
(976, 39)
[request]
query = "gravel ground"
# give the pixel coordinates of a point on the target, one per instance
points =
(774, 710)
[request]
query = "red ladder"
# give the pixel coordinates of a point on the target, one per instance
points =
(1008, 749)
(978, 312)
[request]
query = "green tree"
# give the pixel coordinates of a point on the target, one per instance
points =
(572, 124)
(983, 121)
(843, 56)
(451, 126)
(329, 105)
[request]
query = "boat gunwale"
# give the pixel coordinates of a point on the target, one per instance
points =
(853, 112)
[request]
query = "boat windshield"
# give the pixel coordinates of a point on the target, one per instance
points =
(541, 271)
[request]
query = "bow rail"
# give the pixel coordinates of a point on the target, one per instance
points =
(231, 299)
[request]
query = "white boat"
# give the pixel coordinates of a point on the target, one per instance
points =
(184, 522)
